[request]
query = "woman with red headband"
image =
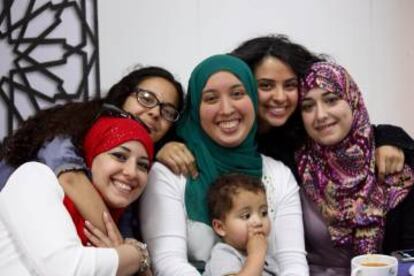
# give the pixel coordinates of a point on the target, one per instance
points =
(38, 236)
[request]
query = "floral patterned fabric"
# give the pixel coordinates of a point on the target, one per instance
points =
(340, 178)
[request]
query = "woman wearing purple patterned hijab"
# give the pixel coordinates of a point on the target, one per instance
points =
(337, 163)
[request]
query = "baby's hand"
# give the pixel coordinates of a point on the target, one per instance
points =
(257, 241)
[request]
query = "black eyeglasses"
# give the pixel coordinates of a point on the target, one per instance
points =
(149, 100)
(113, 111)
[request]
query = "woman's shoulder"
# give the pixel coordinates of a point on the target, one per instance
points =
(32, 178)
(161, 177)
(272, 166)
(159, 169)
(33, 170)
(277, 177)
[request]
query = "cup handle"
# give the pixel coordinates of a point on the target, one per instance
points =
(356, 271)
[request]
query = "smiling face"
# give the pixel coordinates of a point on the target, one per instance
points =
(248, 209)
(226, 111)
(120, 174)
(327, 117)
(278, 92)
(166, 93)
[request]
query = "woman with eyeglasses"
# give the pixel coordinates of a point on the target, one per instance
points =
(53, 136)
(38, 235)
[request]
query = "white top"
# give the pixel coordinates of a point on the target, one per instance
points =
(227, 260)
(37, 235)
(174, 240)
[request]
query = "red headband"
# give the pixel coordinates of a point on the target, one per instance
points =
(109, 132)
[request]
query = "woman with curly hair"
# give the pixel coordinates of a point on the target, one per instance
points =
(53, 136)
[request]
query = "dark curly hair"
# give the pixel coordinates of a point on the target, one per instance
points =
(74, 119)
(299, 59)
(296, 56)
(222, 191)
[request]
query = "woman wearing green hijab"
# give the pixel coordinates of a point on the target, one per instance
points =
(218, 126)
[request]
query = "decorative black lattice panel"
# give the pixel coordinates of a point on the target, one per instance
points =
(48, 54)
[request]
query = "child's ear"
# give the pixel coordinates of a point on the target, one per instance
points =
(218, 227)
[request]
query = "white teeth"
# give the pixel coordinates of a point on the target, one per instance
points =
(277, 110)
(122, 186)
(228, 124)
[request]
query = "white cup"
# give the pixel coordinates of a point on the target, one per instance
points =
(374, 265)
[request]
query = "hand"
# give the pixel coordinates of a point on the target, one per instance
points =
(388, 160)
(142, 250)
(257, 241)
(178, 158)
(100, 239)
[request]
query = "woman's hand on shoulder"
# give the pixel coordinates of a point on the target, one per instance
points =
(388, 160)
(178, 158)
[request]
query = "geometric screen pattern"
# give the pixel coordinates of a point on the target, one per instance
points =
(49, 54)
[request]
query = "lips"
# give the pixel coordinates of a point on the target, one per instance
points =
(151, 126)
(324, 127)
(277, 111)
(122, 187)
(229, 126)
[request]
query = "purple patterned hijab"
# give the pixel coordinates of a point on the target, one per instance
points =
(340, 178)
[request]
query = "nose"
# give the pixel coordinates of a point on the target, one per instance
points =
(130, 169)
(278, 94)
(321, 112)
(256, 221)
(155, 112)
(226, 105)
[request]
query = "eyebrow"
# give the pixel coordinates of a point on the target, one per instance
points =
(272, 80)
(237, 85)
(244, 209)
(231, 87)
(125, 148)
(323, 95)
(294, 79)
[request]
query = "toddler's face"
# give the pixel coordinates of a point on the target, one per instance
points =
(249, 213)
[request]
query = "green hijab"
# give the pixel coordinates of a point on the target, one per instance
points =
(214, 160)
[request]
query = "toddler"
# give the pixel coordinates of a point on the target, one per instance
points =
(238, 209)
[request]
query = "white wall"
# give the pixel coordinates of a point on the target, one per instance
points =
(373, 39)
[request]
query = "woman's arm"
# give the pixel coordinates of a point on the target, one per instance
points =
(41, 231)
(61, 156)
(137, 260)
(394, 136)
(178, 158)
(80, 190)
(288, 239)
(163, 223)
(393, 145)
